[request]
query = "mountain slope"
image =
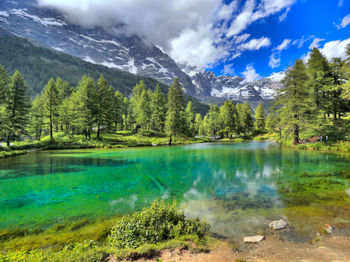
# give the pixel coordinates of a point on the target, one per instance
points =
(38, 64)
(235, 87)
(126, 52)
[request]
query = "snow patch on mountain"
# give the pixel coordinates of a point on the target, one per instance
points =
(235, 87)
(47, 21)
(4, 13)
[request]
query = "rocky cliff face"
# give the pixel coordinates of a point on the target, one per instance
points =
(235, 87)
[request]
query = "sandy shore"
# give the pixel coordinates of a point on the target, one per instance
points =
(332, 249)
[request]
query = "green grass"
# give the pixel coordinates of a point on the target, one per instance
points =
(342, 147)
(120, 139)
(85, 241)
(12, 153)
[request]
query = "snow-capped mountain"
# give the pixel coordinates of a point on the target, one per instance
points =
(235, 87)
(126, 52)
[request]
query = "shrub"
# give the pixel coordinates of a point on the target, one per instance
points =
(160, 222)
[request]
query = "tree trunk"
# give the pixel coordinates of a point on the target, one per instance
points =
(51, 135)
(280, 132)
(170, 140)
(8, 141)
(98, 131)
(296, 134)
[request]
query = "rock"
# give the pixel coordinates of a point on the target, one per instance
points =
(278, 224)
(253, 239)
(328, 229)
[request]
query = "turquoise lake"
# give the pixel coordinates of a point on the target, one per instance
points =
(238, 188)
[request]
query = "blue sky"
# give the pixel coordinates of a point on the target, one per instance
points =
(305, 22)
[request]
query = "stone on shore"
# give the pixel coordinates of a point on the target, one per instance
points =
(253, 239)
(328, 229)
(278, 224)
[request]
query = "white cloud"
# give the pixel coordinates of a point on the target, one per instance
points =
(283, 16)
(335, 49)
(331, 49)
(226, 11)
(252, 13)
(196, 47)
(241, 38)
(255, 44)
(344, 22)
(250, 74)
(228, 69)
(283, 45)
(196, 32)
(164, 23)
(315, 43)
(275, 60)
(341, 3)
(277, 77)
(275, 57)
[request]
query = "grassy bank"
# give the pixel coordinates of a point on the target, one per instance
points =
(11, 153)
(120, 139)
(340, 146)
(142, 234)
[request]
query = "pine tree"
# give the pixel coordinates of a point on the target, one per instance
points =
(197, 124)
(17, 107)
(118, 110)
(37, 118)
(246, 121)
(337, 105)
(103, 104)
(295, 99)
(175, 110)
(4, 82)
(65, 114)
(319, 71)
(64, 90)
(214, 120)
(51, 104)
(189, 119)
(228, 118)
(144, 111)
(82, 106)
(158, 108)
(260, 118)
(140, 103)
(204, 128)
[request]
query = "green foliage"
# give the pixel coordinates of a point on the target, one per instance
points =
(158, 110)
(51, 104)
(17, 108)
(158, 223)
(174, 120)
(260, 118)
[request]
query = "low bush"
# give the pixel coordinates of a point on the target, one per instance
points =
(158, 223)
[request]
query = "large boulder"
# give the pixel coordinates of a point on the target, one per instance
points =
(278, 224)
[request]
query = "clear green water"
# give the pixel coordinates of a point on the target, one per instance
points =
(238, 188)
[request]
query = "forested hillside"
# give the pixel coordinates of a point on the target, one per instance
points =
(38, 64)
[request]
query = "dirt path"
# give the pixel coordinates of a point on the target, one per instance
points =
(332, 249)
